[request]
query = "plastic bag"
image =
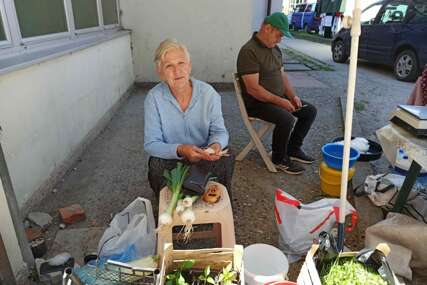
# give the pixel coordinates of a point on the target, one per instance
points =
(299, 223)
(131, 234)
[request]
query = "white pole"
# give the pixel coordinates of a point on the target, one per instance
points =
(355, 33)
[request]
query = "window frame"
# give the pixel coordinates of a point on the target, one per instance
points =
(16, 45)
(46, 37)
(8, 41)
(111, 26)
(91, 29)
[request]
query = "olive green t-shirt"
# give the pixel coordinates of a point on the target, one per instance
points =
(255, 57)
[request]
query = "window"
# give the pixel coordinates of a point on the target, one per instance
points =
(85, 14)
(369, 14)
(109, 12)
(2, 31)
(41, 17)
(419, 12)
(52, 24)
(394, 12)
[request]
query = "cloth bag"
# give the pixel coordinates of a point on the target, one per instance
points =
(300, 223)
(131, 234)
(407, 239)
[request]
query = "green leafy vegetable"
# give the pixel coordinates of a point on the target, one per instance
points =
(347, 271)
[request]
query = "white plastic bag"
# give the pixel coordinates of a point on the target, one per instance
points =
(299, 223)
(131, 234)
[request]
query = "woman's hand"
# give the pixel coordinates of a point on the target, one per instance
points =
(191, 153)
(216, 154)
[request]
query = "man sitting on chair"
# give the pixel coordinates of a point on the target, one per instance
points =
(269, 96)
(183, 117)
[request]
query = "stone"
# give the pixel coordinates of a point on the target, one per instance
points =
(79, 242)
(41, 219)
(72, 214)
(33, 233)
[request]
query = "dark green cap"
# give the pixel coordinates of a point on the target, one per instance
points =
(280, 22)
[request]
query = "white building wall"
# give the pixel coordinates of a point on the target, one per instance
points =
(213, 31)
(259, 13)
(8, 235)
(47, 109)
(276, 6)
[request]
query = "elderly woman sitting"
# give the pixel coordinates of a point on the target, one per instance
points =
(183, 117)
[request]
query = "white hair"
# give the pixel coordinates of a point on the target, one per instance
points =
(166, 46)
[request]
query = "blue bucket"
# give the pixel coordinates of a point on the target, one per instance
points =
(333, 155)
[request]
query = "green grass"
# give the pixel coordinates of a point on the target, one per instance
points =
(311, 37)
(360, 106)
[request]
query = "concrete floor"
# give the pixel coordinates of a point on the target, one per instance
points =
(113, 169)
(112, 172)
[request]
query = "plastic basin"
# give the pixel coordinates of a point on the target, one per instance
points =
(330, 179)
(263, 264)
(374, 152)
(333, 155)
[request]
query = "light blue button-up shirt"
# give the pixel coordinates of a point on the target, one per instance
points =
(167, 126)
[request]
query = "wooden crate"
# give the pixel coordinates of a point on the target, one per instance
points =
(309, 275)
(217, 258)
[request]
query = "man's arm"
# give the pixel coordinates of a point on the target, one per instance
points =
(253, 87)
(290, 92)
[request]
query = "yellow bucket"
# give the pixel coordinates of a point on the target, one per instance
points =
(330, 179)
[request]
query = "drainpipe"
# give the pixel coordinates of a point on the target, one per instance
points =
(15, 214)
(6, 273)
(268, 7)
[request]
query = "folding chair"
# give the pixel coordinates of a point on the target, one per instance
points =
(256, 136)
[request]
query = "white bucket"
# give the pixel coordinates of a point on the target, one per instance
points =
(264, 263)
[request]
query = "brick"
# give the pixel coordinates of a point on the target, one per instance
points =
(33, 233)
(72, 214)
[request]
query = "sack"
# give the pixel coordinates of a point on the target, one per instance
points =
(196, 180)
(407, 240)
(383, 189)
(299, 223)
(131, 234)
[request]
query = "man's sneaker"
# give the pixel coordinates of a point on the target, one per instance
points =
(290, 167)
(300, 156)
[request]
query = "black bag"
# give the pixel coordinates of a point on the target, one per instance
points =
(196, 180)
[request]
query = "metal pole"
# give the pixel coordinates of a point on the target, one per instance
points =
(268, 7)
(15, 214)
(6, 273)
(355, 34)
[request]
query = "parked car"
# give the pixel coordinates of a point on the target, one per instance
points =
(394, 32)
(304, 17)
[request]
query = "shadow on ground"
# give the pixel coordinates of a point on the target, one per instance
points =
(112, 172)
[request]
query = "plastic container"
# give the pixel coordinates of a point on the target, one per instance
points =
(374, 152)
(333, 155)
(263, 264)
(330, 179)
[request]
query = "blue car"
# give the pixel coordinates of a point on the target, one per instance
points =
(394, 32)
(303, 18)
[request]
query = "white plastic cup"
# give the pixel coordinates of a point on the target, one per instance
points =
(263, 264)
